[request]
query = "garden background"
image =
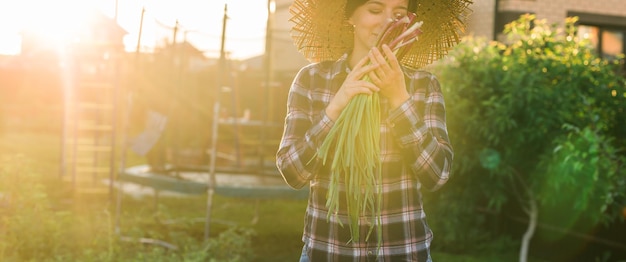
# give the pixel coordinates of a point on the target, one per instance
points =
(537, 123)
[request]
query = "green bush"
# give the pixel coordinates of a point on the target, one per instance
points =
(512, 108)
(232, 245)
(36, 226)
(33, 229)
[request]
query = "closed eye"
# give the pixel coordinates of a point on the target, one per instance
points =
(375, 11)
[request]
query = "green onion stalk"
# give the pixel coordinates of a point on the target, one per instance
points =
(355, 138)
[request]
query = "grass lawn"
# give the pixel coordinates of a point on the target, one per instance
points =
(81, 227)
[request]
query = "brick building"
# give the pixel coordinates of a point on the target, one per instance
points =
(603, 21)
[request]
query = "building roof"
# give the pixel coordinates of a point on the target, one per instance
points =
(97, 30)
(185, 48)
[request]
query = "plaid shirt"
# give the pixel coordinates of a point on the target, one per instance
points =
(415, 152)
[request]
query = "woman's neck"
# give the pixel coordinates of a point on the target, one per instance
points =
(356, 56)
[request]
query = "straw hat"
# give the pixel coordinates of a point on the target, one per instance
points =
(321, 31)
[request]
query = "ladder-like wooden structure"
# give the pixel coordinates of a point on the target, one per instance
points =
(90, 125)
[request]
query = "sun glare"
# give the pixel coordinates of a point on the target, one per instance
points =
(54, 23)
(10, 41)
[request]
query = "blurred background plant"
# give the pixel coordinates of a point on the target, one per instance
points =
(537, 123)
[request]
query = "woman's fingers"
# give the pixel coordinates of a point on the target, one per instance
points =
(360, 87)
(370, 86)
(388, 68)
(381, 59)
(362, 68)
(391, 58)
(375, 78)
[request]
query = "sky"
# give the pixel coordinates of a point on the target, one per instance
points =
(200, 22)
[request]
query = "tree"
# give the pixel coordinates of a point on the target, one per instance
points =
(542, 115)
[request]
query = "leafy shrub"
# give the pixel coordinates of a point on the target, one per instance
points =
(31, 229)
(35, 228)
(232, 245)
(507, 104)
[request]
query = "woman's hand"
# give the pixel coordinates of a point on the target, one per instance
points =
(388, 76)
(352, 86)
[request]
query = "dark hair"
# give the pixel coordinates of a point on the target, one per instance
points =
(352, 5)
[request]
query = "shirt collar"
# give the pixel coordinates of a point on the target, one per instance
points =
(341, 65)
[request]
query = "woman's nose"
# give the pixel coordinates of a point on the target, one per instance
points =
(388, 14)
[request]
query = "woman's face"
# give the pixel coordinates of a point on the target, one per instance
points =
(370, 18)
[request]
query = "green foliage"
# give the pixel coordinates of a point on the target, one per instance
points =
(85, 224)
(507, 103)
(590, 166)
(233, 245)
(34, 228)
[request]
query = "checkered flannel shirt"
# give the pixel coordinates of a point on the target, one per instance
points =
(415, 152)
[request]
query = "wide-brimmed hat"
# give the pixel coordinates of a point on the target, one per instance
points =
(321, 30)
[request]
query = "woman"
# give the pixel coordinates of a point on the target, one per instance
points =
(415, 148)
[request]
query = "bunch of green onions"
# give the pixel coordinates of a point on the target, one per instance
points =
(355, 138)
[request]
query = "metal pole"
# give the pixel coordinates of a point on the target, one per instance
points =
(116, 10)
(173, 135)
(143, 11)
(268, 81)
(114, 132)
(216, 114)
(125, 128)
(496, 17)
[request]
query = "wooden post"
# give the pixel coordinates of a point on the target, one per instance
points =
(216, 115)
(268, 82)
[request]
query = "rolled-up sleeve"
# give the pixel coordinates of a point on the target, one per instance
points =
(419, 127)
